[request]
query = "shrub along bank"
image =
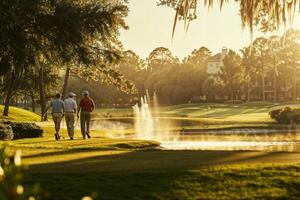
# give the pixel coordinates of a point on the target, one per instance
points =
(286, 115)
(18, 130)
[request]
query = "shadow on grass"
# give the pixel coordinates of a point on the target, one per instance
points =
(152, 160)
(170, 175)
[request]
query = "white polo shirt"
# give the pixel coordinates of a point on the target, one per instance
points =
(70, 105)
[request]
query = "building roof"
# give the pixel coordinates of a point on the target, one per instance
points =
(215, 58)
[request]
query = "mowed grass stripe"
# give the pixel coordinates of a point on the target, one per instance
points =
(229, 182)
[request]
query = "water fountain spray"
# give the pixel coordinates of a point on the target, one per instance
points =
(148, 124)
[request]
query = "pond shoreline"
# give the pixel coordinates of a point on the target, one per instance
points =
(241, 130)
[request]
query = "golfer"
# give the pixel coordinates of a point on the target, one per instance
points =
(57, 112)
(86, 106)
(70, 112)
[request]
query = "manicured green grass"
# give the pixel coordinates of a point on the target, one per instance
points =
(155, 174)
(225, 182)
(107, 168)
(225, 112)
(99, 142)
(19, 114)
(247, 112)
(73, 169)
(207, 116)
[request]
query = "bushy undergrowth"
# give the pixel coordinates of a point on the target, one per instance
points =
(26, 130)
(6, 132)
(286, 115)
(17, 130)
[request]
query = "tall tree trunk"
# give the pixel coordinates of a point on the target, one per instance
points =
(295, 87)
(231, 96)
(248, 90)
(6, 102)
(263, 78)
(263, 86)
(16, 101)
(275, 86)
(9, 94)
(286, 91)
(32, 101)
(65, 86)
(25, 100)
(42, 94)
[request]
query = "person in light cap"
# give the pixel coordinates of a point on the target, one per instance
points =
(58, 108)
(70, 111)
(86, 106)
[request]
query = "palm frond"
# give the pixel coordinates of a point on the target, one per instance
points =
(252, 12)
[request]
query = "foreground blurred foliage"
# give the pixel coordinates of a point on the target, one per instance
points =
(11, 176)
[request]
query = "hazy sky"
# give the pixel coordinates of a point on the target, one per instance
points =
(151, 27)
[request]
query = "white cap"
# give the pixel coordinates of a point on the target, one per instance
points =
(85, 92)
(72, 94)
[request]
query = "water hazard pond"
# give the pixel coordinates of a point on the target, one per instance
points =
(225, 139)
(235, 140)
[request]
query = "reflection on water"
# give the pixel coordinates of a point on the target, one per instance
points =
(232, 145)
(234, 142)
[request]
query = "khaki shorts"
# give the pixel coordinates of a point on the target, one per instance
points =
(57, 116)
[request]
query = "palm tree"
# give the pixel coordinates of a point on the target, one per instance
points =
(231, 74)
(291, 56)
(247, 63)
(261, 50)
(275, 47)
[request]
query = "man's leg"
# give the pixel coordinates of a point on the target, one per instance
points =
(67, 118)
(82, 124)
(71, 125)
(57, 120)
(56, 135)
(88, 120)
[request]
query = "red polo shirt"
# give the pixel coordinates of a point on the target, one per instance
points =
(87, 104)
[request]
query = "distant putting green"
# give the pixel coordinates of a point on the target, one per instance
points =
(247, 112)
(206, 116)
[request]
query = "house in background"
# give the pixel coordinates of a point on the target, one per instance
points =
(214, 63)
(213, 67)
(275, 88)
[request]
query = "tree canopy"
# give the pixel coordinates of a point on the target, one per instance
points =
(59, 30)
(35, 33)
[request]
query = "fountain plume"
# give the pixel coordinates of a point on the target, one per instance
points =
(147, 121)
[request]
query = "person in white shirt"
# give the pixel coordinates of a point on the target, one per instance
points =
(70, 111)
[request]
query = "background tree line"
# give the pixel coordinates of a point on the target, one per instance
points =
(266, 70)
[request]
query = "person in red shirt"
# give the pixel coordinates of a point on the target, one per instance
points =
(86, 106)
